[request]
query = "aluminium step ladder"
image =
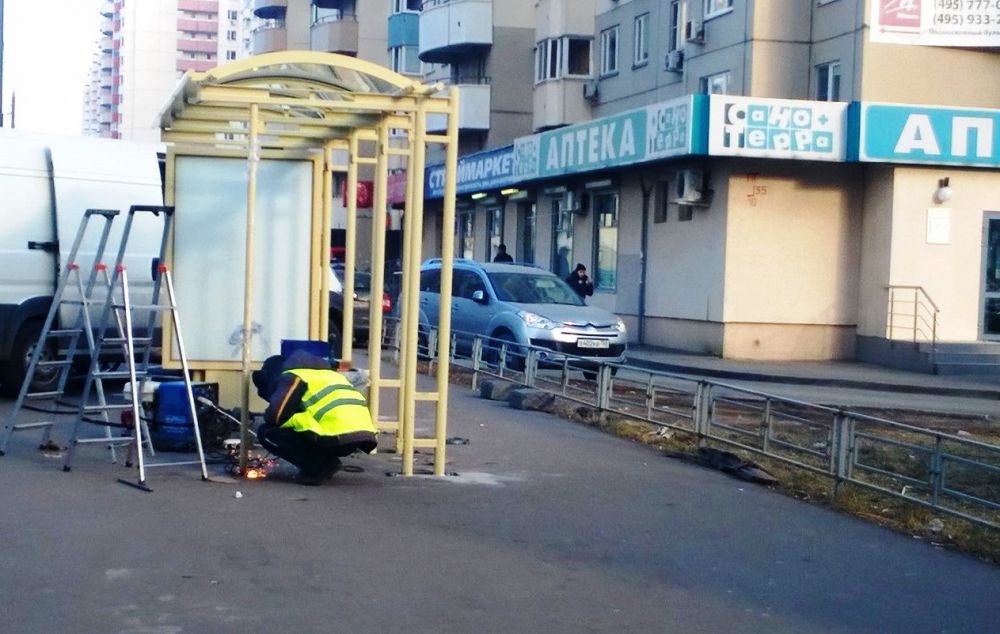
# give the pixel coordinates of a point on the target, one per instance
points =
(136, 344)
(71, 292)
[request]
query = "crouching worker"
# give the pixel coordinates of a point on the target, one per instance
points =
(314, 415)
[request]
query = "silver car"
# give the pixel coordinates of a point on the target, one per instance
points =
(522, 304)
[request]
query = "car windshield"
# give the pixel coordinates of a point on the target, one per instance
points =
(522, 288)
(362, 280)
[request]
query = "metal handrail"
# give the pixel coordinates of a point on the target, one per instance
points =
(921, 299)
(836, 443)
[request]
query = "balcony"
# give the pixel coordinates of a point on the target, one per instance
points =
(560, 102)
(106, 44)
(332, 35)
(207, 27)
(198, 6)
(454, 28)
(200, 65)
(270, 37)
(197, 46)
(474, 102)
(270, 9)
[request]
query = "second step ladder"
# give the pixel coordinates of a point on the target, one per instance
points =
(135, 339)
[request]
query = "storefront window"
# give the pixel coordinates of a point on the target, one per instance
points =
(526, 229)
(466, 236)
(991, 300)
(494, 221)
(562, 239)
(606, 244)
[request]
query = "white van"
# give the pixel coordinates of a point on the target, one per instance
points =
(46, 184)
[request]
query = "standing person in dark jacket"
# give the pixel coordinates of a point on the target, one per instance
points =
(580, 283)
(314, 415)
(502, 255)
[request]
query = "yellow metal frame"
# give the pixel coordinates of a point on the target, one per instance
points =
(298, 104)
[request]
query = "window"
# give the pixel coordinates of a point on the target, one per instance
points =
(678, 16)
(232, 14)
(494, 229)
(717, 7)
(430, 281)
(562, 239)
(640, 48)
(717, 84)
(527, 220)
(467, 236)
(231, 36)
(404, 60)
(561, 57)
(828, 82)
(577, 56)
(662, 210)
(465, 283)
(606, 245)
(609, 51)
(230, 54)
(407, 6)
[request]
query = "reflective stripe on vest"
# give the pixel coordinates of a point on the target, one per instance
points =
(332, 405)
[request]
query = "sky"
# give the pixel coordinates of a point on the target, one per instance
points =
(48, 47)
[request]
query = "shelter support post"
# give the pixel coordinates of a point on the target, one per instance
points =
(447, 259)
(253, 159)
(350, 248)
(378, 270)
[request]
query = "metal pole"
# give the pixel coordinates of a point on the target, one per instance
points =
(413, 281)
(324, 279)
(916, 305)
(253, 158)
(447, 260)
(405, 291)
(350, 248)
(376, 316)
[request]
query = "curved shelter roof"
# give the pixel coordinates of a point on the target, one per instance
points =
(304, 98)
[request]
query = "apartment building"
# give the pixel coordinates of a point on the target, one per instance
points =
(759, 179)
(144, 48)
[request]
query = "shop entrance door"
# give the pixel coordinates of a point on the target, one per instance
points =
(990, 312)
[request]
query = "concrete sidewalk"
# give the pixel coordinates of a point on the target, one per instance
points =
(548, 526)
(834, 374)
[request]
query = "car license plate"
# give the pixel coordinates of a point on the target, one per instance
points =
(593, 344)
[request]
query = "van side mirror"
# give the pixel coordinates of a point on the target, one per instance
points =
(480, 297)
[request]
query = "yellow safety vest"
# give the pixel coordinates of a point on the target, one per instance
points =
(332, 405)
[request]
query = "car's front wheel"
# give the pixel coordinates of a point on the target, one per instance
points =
(514, 355)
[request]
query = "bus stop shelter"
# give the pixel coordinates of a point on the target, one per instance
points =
(252, 149)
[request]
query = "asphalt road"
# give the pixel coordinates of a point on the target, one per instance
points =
(549, 527)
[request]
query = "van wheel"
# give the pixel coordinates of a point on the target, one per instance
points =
(13, 371)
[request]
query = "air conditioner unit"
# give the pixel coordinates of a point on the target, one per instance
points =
(690, 187)
(694, 32)
(675, 61)
(590, 90)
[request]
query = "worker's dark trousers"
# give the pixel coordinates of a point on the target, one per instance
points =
(313, 454)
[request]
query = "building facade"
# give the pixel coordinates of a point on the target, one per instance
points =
(734, 176)
(756, 179)
(144, 48)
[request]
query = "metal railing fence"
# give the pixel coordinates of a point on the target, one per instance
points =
(944, 472)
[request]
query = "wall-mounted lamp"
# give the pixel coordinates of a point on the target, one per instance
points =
(943, 193)
(479, 196)
(509, 191)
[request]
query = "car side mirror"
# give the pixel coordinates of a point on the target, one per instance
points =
(480, 297)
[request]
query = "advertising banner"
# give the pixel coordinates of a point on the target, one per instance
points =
(898, 133)
(777, 128)
(663, 130)
(974, 23)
